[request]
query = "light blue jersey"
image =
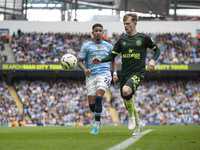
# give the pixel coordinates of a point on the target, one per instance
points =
(90, 50)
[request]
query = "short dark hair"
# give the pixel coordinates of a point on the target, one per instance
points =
(97, 25)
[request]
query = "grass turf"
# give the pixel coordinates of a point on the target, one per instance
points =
(78, 138)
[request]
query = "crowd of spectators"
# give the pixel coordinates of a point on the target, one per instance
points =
(64, 102)
(163, 102)
(49, 47)
(177, 48)
(58, 103)
(8, 110)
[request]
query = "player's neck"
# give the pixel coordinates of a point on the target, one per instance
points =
(97, 41)
(133, 33)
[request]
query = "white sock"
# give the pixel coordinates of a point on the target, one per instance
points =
(96, 124)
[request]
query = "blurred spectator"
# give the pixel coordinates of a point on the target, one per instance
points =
(14, 123)
(8, 37)
(198, 36)
(3, 54)
(22, 123)
(19, 32)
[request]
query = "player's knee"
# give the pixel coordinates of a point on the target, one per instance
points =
(100, 92)
(126, 90)
(127, 93)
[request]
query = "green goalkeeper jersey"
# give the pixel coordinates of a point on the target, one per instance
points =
(133, 50)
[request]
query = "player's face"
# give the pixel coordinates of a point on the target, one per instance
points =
(129, 26)
(97, 33)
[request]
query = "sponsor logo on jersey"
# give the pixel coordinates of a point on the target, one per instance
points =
(99, 53)
(135, 55)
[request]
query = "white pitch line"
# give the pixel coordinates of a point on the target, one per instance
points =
(129, 141)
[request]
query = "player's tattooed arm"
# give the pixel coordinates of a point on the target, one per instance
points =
(82, 66)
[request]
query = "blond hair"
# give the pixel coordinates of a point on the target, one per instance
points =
(134, 17)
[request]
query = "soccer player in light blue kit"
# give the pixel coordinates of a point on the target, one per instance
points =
(98, 76)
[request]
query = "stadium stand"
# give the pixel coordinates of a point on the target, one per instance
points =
(58, 102)
(49, 47)
(9, 112)
(163, 102)
(178, 48)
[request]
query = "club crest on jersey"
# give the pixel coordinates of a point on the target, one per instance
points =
(98, 47)
(124, 43)
(138, 42)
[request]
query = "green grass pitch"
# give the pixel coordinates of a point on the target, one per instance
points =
(78, 138)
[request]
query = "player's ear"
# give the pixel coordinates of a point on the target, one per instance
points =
(135, 23)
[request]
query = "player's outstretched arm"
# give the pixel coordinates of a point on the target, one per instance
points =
(108, 58)
(96, 60)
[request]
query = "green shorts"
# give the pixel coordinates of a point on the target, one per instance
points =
(133, 81)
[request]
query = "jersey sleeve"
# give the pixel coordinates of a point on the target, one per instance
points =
(151, 44)
(117, 47)
(116, 50)
(83, 52)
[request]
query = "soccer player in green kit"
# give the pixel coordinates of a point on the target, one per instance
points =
(133, 48)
